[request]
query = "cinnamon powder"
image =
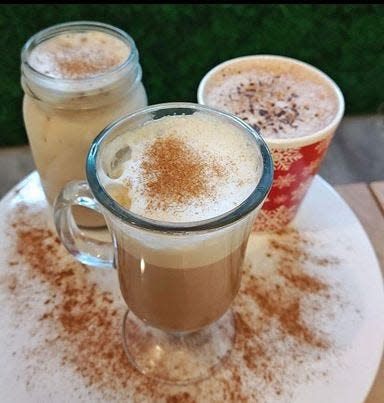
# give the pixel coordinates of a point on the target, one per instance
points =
(280, 333)
(89, 319)
(283, 300)
(80, 67)
(174, 173)
(287, 310)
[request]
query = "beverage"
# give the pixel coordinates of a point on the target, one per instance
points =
(77, 78)
(295, 106)
(281, 100)
(197, 295)
(179, 185)
(176, 169)
(78, 55)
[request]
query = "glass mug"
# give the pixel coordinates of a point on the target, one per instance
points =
(179, 326)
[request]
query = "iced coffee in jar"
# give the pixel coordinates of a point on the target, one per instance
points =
(77, 78)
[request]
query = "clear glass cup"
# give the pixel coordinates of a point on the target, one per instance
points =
(62, 116)
(179, 325)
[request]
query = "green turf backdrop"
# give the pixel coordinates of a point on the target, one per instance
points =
(178, 44)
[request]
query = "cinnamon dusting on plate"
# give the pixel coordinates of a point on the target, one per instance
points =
(277, 332)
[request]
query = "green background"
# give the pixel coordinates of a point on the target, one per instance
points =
(178, 44)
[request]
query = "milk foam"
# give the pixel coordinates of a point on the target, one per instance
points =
(78, 55)
(280, 98)
(211, 139)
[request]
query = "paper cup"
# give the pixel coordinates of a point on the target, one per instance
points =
(296, 159)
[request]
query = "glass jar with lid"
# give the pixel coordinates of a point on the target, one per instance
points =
(77, 78)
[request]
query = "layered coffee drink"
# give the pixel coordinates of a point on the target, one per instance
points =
(281, 99)
(77, 78)
(180, 170)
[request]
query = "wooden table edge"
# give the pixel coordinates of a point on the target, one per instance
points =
(367, 202)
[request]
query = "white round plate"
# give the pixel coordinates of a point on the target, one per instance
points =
(310, 314)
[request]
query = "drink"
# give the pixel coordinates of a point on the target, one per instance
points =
(179, 185)
(296, 107)
(77, 78)
(200, 295)
(177, 169)
(78, 55)
(279, 99)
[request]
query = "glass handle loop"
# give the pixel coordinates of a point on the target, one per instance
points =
(79, 243)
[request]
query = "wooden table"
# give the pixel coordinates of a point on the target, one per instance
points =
(367, 201)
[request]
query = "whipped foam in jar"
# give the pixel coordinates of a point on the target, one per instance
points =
(181, 168)
(78, 55)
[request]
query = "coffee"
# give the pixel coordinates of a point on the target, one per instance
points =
(283, 100)
(180, 299)
(77, 78)
(181, 169)
(79, 55)
(295, 106)
(179, 185)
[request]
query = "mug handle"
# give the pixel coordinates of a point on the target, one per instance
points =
(85, 249)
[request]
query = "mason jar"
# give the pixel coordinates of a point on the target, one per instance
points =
(77, 78)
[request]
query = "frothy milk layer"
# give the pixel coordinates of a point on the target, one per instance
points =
(78, 55)
(280, 98)
(181, 168)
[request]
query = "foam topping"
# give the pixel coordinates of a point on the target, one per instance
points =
(281, 102)
(78, 55)
(181, 168)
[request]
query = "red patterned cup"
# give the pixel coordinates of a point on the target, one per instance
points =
(296, 158)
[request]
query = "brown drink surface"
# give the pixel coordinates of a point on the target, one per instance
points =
(281, 99)
(180, 299)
